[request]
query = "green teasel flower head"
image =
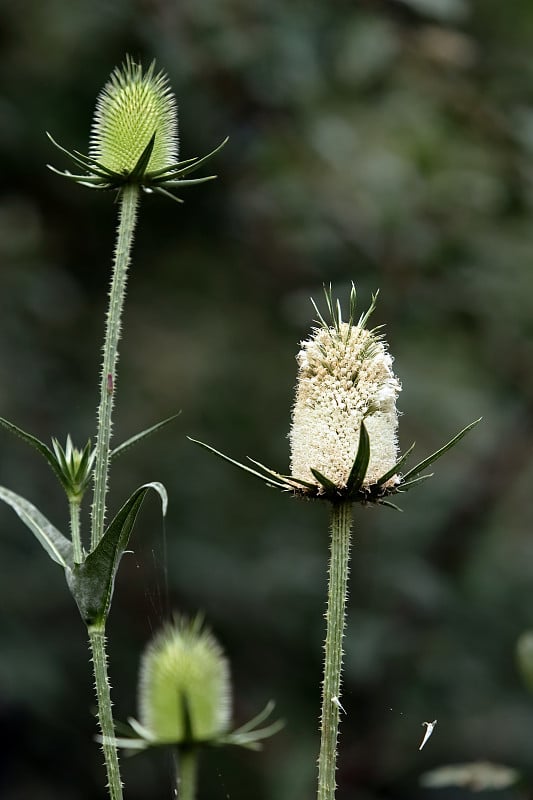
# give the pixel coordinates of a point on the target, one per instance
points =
(345, 378)
(184, 685)
(134, 136)
(131, 107)
(343, 436)
(185, 693)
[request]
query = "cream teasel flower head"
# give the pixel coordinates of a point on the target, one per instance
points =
(345, 378)
(134, 136)
(344, 422)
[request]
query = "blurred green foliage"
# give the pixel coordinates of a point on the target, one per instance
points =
(388, 142)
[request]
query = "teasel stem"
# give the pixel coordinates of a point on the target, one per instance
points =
(187, 772)
(340, 528)
(129, 200)
(74, 513)
(105, 715)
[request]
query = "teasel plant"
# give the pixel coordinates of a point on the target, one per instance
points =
(343, 450)
(133, 150)
(185, 701)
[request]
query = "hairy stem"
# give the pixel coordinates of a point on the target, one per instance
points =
(340, 526)
(75, 534)
(129, 200)
(187, 773)
(105, 715)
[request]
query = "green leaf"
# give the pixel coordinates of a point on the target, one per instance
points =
(133, 440)
(250, 734)
(360, 465)
(406, 485)
(437, 454)
(92, 582)
(396, 468)
(265, 478)
(197, 162)
(390, 505)
(140, 167)
(58, 547)
(326, 483)
(288, 481)
(43, 449)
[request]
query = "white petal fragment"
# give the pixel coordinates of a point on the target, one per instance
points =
(429, 730)
(336, 702)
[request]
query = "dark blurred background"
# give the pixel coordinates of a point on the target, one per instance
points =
(387, 142)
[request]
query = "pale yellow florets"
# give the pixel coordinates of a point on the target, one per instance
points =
(345, 375)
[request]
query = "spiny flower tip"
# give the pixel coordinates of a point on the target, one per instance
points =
(130, 109)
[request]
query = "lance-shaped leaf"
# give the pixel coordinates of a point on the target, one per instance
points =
(140, 167)
(360, 464)
(250, 734)
(397, 467)
(329, 486)
(415, 471)
(41, 447)
(265, 478)
(58, 547)
(92, 582)
(138, 437)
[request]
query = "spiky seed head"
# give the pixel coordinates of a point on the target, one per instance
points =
(184, 684)
(131, 107)
(345, 376)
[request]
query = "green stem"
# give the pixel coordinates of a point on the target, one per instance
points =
(340, 526)
(187, 773)
(105, 715)
(129, 200)
(75, 534)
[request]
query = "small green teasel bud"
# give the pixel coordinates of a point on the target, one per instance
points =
(185, 694)
(134, 136)
(343, 437)
(75, 466)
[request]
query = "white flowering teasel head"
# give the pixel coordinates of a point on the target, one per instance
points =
(344, 442)
(345, 379)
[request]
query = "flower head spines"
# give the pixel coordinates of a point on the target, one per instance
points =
(131, 108)
(345, 377)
